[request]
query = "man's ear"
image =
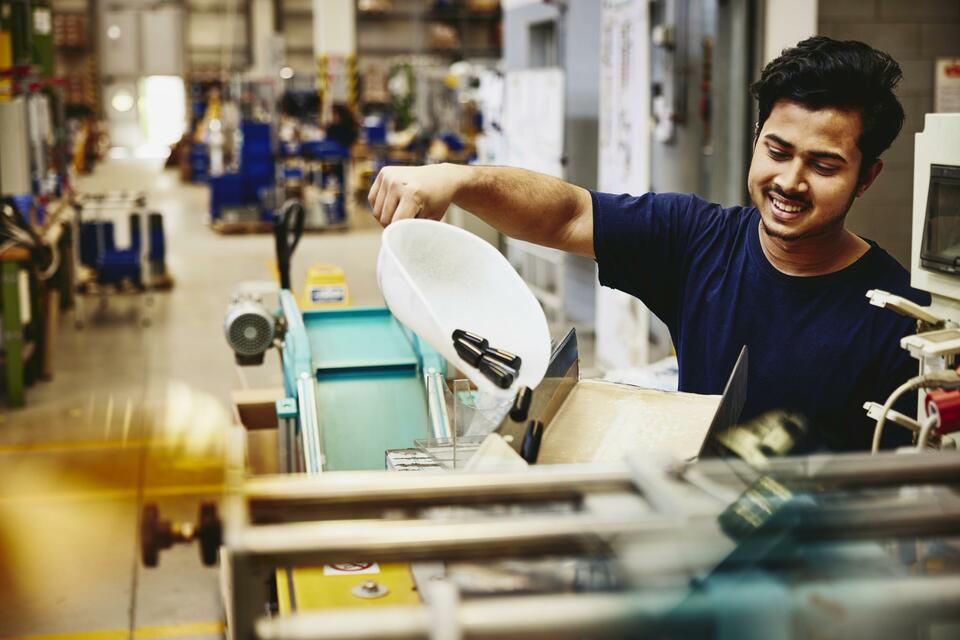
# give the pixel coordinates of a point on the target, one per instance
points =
(756, 132)
(870, 176)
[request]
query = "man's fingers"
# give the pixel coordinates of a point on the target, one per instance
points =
(375, 188)
(381, 199)
(408, 208)
(389, 206)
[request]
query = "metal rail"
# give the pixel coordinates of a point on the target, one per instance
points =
(309, 424)
(904, 601)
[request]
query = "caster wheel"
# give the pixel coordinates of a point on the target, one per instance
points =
(149, 549)
(210, 532)
(155, 535)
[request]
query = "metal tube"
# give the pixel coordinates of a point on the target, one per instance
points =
(357, 488)
(413, 540)
(849, 469)
(563, 616)
(571, 482)
(309, 424)
(437, 404)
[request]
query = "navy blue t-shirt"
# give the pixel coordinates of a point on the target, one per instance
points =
(817, 346)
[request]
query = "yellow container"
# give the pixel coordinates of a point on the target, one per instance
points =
(325, 288)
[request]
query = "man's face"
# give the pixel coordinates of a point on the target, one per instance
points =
(805, 168)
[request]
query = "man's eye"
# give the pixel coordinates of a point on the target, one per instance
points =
(776, 154)
(824, 169)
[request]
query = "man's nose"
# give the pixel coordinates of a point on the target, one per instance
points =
(792, 180)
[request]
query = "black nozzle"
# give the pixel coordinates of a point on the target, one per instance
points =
(470, 353)
(504, 357)
(472, 338)
(521, 404)
(530, 447)
(497, 373)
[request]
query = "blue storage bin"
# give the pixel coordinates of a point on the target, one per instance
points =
(255, 149)
(255, 131)
(116, 266)
(226, 190)
(90, 243)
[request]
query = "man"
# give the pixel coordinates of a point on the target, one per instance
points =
(783, 277)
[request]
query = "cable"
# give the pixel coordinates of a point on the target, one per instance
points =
(932, 421)
(946, 379)
(910, 385)
(48, 273)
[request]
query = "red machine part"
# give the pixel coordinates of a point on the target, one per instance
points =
(947, 405)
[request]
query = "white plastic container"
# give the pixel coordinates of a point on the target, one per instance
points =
(437, 278)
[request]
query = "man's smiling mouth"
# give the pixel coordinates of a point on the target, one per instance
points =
(785, 207)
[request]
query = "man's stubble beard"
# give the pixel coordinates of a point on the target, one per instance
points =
(812, 233)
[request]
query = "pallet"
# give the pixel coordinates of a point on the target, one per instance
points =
(245, 227)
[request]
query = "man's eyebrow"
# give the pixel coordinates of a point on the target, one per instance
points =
(780, 141)
(825, 155)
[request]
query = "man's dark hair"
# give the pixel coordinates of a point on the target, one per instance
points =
(821, 72)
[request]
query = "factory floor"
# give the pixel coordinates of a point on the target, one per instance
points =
(132, 415)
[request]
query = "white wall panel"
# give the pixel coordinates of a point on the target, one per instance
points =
(162, 44)
(787, 22)
(335, 27)
(120, 54)
(211, 30)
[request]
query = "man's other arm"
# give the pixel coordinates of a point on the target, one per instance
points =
(521, 204)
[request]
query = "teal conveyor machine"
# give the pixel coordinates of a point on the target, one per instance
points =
(358, 383)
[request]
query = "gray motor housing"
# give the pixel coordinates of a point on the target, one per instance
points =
(250, 330)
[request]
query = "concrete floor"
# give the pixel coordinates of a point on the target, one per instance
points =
(133, 415)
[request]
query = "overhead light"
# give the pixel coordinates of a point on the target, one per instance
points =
(122, 101)
(286, 73)
(113, 32)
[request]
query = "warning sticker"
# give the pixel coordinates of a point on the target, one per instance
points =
(327, 294)
(350, 568)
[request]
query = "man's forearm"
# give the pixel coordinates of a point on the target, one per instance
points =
(526, 205)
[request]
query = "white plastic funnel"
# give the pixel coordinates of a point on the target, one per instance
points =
(437, 278)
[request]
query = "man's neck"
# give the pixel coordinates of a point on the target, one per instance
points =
(814, 256)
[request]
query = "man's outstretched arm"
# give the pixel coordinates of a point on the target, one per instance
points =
(519, 203)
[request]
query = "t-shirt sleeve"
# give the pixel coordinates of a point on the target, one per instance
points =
(640, 243)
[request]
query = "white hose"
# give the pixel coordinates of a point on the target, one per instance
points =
(933, 420)
(909, 385)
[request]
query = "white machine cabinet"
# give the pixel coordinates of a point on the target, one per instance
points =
(937, 150)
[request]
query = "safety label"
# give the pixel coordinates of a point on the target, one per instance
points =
(327, 294)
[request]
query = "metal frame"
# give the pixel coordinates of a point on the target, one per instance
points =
(299, 521)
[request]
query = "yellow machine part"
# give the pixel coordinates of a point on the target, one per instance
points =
(325, 288)
(6, 59)
(314, 591)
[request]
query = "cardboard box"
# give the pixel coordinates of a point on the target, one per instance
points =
(257, 408)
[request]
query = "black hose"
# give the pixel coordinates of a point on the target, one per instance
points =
(287, 230)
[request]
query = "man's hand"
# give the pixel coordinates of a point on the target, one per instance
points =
(414, 192)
